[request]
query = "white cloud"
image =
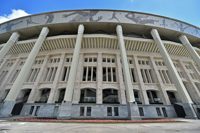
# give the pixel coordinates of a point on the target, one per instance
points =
(15, 14)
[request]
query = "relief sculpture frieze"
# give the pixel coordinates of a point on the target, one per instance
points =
(100, 16)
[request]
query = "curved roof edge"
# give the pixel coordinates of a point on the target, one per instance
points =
(145, 13)
(100, 16)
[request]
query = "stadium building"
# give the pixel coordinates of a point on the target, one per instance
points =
(104, 64)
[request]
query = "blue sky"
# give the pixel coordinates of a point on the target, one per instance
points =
(185, 10)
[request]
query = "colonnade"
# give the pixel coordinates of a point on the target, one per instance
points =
(12, 95)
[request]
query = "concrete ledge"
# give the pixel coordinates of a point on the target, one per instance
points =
(97, 120)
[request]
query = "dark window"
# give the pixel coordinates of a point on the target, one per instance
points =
(88, 95)
(172, 97)
(94, 73)
(54, 74)
(36, 111)
(114, 75)
(61, 95)
(198, 111)
(113, 60)
(109, 74)
(89, 110)
(116, 111)
(158, 111)
(133, 75)
(89, 73)
(90, 59)
(164, 112)
(104, 74)
(146, 73)
(84, 73)
(130, 61)
(110, 96)
(154, 94)
(82, 111)
(64, 73)
(141, 111)
(143, 76)
(31, 110)
(109, 111)
(136, 95)
(44, 95)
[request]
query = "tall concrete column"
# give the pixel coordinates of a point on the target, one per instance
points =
(163, 92)
(126, 70)
(14, 37)
(132, 105)
(74, 64)
(21, 78)
(77, 89)
(66, 107)
(195, 56)
(186, 100)
(120, 80)
(99, 79)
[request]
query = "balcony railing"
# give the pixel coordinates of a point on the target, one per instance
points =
(88, 100)
(155, 101)
(111, 99)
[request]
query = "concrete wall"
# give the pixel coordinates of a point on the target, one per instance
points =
(98, 111)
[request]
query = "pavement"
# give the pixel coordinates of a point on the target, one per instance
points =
(183, 126)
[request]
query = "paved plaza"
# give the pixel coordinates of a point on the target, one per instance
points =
(186, 126)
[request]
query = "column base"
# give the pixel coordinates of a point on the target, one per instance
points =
(133, 112)
(65, 111)
(7, 108)
(189, 111)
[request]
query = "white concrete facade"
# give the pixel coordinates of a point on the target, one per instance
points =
(99, 75)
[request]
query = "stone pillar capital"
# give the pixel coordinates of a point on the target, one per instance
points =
(183, 38)
(155, 31)
(119, 28)
(6, 47)
(44, 31)
(14, 36)
(80, 29)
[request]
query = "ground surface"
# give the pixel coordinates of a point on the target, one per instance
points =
(187, 126)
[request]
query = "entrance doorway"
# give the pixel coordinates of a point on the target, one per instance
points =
(20, 101)
(172, 97)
